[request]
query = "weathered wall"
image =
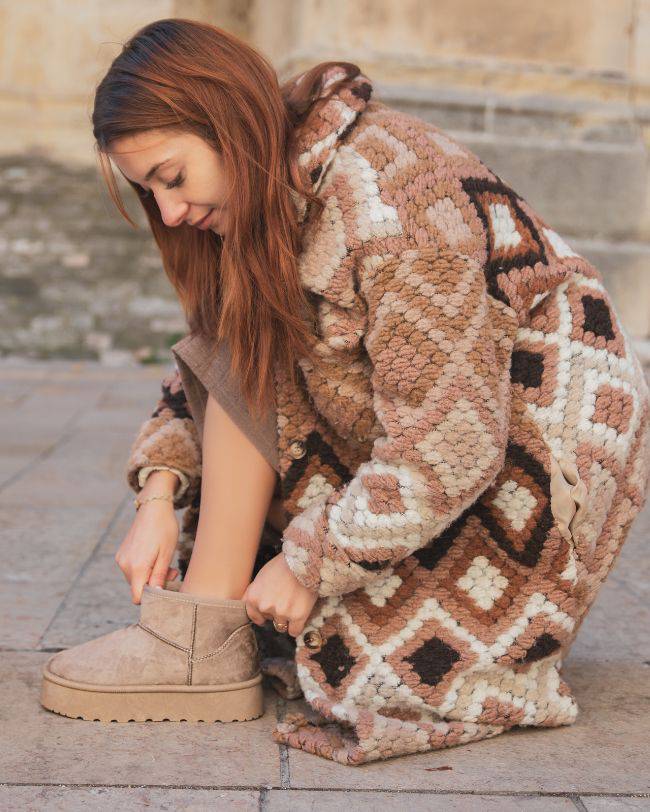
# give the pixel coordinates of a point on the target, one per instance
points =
(555, 97)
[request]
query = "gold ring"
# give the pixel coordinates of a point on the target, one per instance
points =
(280, 627)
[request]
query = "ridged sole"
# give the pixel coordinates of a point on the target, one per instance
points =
(236, 702)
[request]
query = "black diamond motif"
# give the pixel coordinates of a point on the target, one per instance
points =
(373, 566)
(429, 556)
(518, 457)
(527, 368)
(598, 319)
(544, 645)
(335, 660)
(476, 189)
(433, 660)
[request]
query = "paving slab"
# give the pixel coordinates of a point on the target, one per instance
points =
(14, 461)
(125, 405)
(85, 469)
(613, 804)
(307, 801)
(100, 599)
(23, 369)
(33, 434)
(13, 393)
(42, 747)
(123, 419)
(108, 799)
(41, 400)
(52, 403)
(43, 550)
(75, 429)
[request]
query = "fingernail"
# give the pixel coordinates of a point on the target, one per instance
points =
(157, 586)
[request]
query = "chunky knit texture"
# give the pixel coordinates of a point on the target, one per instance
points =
(463, 461)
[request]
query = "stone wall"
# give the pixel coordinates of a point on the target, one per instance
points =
(77, 280)
(555, 97)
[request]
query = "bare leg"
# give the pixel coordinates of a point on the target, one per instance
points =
(236, 489)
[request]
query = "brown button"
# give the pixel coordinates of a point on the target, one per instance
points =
(297, 449)
(313, 640)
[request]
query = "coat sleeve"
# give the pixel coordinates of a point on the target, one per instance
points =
(440, 347)
(168, 439)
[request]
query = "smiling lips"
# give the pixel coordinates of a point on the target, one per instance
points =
(201, 223)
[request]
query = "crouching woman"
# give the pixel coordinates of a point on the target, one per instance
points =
(398, 374)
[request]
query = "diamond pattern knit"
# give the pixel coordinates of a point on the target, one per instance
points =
(463, 461)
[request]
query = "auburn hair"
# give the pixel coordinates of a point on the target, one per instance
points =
(182, 75)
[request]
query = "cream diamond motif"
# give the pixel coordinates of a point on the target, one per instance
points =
(483, 582)
(503, 227)
(383, 588)
(516, 503)
(317, 490)
(439, 448)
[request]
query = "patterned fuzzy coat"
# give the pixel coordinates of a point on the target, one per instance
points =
(462, 463)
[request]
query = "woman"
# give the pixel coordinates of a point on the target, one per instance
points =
(456, 445)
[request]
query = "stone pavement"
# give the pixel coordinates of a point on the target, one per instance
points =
(64, 509)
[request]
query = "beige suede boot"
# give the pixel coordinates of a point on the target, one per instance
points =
(187, 659)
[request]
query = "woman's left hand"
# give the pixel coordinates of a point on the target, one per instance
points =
(276, 593)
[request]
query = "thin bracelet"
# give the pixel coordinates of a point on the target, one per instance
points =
(138, 502)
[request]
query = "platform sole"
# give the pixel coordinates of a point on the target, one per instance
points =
(155, 703)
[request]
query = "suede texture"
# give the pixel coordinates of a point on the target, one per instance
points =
(128, 656)
(170, 616)
(180, 639)
(236, 661)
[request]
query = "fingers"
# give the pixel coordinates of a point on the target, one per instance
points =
(296, 626)
(252, 606)
(159, 572)
(281, 624)
(258, 615)
(260, 609)
(137, 577)
(255, 615)
(138, 580)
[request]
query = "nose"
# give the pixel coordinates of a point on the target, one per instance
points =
(172, 212)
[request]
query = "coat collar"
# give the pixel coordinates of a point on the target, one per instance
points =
(326, 127)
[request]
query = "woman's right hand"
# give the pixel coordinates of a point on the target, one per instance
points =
(148, 548)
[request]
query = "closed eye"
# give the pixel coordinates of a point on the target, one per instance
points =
(178, 180)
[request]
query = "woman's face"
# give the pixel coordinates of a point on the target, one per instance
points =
(183, 172)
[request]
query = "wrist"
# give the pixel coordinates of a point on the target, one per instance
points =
(163, 501)
(162, 482)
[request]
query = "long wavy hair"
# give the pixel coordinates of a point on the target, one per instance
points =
(181, 75)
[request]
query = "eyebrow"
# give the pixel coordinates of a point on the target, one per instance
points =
(155, 168)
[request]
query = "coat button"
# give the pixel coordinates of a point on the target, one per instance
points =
(297, 449)
(313, 640)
